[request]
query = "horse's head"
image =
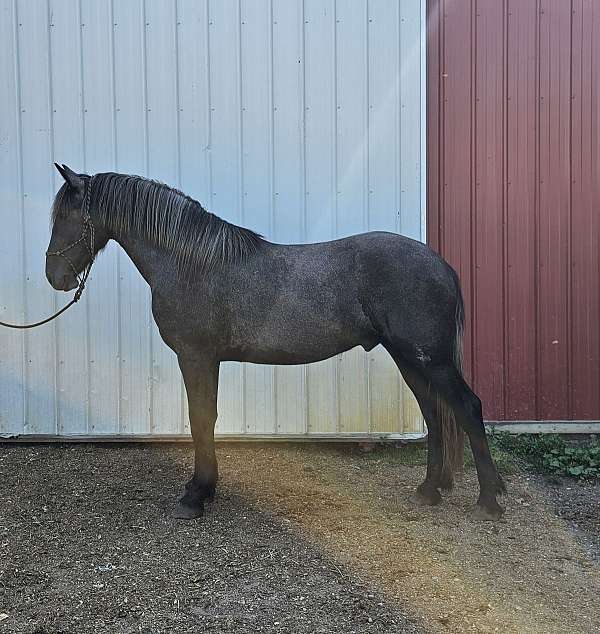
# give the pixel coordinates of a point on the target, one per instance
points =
(75, 240)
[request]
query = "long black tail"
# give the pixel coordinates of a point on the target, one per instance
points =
(452, 433)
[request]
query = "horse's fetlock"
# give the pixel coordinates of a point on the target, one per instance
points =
(200, 489)
(427, 494)
(446, 481)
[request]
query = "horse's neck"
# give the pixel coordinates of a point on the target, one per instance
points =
(154, 265)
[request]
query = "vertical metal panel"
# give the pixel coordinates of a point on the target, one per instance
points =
(521, 223)
(554, 201)
(194, 113)
(319, 180)
(386, 166)
(99, 155)
(585, 212)
(288, 178)
(34, 89)
(131, 156)
(68, 144)
(456, 145)
(255, 56)
(163, 158)
(488, 163)
(226, 140)
(410, 118)
(352, 180)
(525, 240)
(411, 148)
(301, 120)
(12, 359)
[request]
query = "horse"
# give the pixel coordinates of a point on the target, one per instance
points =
(221, 292)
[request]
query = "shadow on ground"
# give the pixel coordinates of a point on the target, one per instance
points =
(87, 545)
(300, 539)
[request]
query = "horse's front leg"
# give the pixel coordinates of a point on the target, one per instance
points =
(201, 376)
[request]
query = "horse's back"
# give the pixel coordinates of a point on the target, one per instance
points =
(369, 268)
(386, 258)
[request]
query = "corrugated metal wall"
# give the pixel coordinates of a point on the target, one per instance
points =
(299, 119)
(514, 196)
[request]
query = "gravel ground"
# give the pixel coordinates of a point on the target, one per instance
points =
(578, 503)
(300, 539)
(87, 545)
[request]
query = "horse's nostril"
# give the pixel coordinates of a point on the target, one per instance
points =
(51, 278)
(58, 282)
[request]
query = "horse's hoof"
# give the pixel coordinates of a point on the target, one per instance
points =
(426, 496)
(185, 512)
(488, 513)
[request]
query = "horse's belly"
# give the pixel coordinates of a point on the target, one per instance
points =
(290, 347)
(287, 357)
(301, 324)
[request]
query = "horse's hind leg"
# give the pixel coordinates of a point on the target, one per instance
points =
(428, 491)
(466, 406)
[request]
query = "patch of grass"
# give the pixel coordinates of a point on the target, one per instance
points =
(548, 453)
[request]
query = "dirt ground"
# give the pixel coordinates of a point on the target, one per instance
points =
(301, 538)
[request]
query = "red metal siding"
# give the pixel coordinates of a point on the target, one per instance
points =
(514, 196)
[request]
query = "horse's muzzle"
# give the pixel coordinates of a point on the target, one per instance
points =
(61, 281)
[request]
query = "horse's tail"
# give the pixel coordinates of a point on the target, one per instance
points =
(452, 434)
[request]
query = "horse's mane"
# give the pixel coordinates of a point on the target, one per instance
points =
(166, 217)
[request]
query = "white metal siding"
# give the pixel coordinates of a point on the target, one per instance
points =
(299, 119)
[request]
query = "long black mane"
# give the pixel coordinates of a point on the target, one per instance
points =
(167, 218)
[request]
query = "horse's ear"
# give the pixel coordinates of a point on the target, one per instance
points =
(74, 180)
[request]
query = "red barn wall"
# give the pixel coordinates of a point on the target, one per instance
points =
(514, 196)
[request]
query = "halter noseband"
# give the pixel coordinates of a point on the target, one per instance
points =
(88, 229)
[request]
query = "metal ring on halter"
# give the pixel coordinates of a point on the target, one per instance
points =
(80, 277)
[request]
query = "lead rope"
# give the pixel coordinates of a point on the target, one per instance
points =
(88, 226)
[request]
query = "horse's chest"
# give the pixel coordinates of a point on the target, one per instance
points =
(182, 320)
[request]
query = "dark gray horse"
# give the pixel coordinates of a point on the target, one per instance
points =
(223, 293)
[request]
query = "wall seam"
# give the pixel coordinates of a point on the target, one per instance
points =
(55, 327)
(334, 179)
(366, 199)
(19, 122)
(88, 404)
(473, 251)
(569, 259)
(118, 255)
(504, 227)
(398, 191)
(272, 186)
(182, 392)
(304, 226)
(241, 193)
(150, 369)
(537, 194)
